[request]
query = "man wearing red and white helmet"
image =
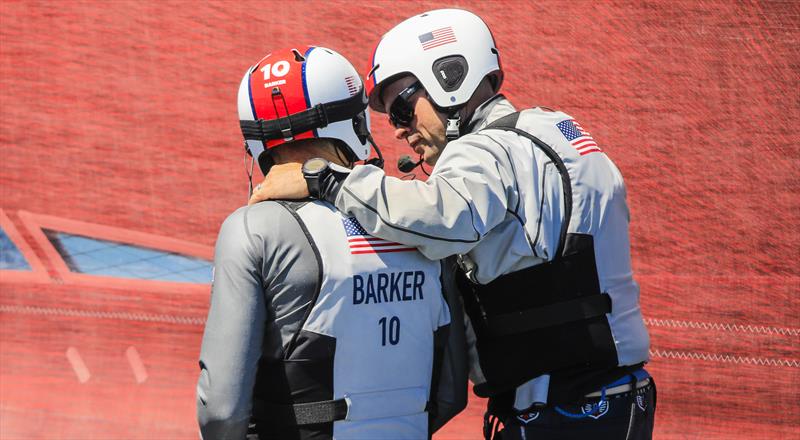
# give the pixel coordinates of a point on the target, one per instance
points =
(535, 213)
(316, 329)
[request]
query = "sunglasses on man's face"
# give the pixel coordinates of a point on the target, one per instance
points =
(401, 111)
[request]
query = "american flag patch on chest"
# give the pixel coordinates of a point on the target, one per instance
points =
(360, 242)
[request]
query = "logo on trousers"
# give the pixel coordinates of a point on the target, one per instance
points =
(596, 410)
(640, 402)
(528, 417)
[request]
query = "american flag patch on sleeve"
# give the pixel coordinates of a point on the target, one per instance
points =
(578, 137)
(362, 243)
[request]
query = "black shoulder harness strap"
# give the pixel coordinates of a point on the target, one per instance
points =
(509, 123)
(567, 311)
(292, 207)
(523, 319)
(308, 413)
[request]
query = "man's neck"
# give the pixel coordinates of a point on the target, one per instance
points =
(305, 152)
(482, 112)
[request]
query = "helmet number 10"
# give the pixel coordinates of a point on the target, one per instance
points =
(279, 69)
(390, 332)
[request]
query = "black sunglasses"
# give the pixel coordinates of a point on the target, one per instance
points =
(401, 112)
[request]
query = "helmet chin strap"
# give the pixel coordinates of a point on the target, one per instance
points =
(249, 171)
(377, 161)
(458, 120)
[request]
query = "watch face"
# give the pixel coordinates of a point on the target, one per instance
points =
(313, 166)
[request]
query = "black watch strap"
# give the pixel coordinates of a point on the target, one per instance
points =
(331, 183)
(313, 185)
(314, 170)
(326, 184)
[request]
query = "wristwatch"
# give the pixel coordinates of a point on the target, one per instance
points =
(314, 171)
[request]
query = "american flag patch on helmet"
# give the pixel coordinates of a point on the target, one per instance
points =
(438, 37)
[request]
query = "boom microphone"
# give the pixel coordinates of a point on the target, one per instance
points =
(405, 164)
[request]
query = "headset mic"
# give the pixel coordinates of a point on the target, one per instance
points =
(405, 164)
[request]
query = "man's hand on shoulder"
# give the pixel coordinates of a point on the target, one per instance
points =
(284, 181)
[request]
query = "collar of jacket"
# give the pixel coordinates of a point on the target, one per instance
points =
(488, 112)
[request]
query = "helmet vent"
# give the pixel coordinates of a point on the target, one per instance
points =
(298, 56)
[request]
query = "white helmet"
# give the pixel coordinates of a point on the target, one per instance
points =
(302, 93)
(449, 51)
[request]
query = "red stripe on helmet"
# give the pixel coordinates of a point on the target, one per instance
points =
(277, 88)
(370, 83)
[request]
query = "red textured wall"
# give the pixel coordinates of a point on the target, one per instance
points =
(123, 114)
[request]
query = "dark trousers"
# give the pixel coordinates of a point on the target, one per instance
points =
(624, 416)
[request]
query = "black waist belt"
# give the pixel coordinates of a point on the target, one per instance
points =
(550, 315)
(324, 411)
(310, 413)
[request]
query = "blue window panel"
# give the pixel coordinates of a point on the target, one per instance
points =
(83, 263)
(196, 276)
(10, 257)
(199, 275)
(143, 254)
(197, 271)
(80, 245)
(91, 262)
(179, 261)
(108, 258)
(117, 272)
(147, 270)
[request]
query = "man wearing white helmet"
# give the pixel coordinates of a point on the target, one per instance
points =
(535, 212)
(317, 329)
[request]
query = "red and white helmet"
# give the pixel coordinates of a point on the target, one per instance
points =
(449, 51)
(302, 93)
